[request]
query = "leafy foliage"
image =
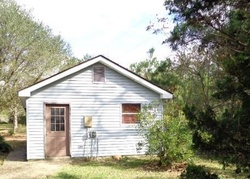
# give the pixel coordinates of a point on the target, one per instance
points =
(169, 138)
(29, 52)
(158, 72)
(195, 171)
(203, 127)
(4, 146)
(222, 29)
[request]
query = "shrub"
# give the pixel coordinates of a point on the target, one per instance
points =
(169, 138)
(22, 120)
(3, 122)
(195, 171)
(11, 132)
(4, 146)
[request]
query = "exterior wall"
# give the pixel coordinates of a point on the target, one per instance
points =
(102, 101)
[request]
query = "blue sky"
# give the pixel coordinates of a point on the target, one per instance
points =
(113, 28)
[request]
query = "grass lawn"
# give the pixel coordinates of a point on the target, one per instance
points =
(216, 167)
(126, 168)
(7, 129)
(144, 167)
(4, 128)
(134, 167)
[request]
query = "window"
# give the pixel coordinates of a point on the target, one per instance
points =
(130, 112)
(57, 119)
(99, 74)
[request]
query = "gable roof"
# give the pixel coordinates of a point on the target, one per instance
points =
(26, 92)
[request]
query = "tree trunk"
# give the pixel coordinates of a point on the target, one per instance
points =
(15, 120)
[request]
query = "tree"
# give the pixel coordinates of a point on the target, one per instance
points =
(197, 73)
(147, 67)
(158, 72)
(86, 57)
(220, 27)
(29, 52)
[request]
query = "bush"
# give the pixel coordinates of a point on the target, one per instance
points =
(194, 171)
(169, 138)
(11, 132)
(22, 120)
(4, 146)
(3, 122)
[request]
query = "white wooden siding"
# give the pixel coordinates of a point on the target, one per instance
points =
(102, 101)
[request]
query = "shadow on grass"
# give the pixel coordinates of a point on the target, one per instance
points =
(228, 172)
(17, 143)
(63, 175)
(213, 164)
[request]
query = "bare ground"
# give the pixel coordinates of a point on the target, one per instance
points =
(17, 167)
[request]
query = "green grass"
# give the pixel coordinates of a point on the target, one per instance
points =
(217, 168)
(134, 167)
(127, 168)
(7, 129)
(4, 128)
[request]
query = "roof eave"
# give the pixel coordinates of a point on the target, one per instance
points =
(166, 96)
(24, 93)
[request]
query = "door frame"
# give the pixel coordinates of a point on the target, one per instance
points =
(45, 104)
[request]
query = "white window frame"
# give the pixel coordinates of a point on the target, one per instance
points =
(129, 124)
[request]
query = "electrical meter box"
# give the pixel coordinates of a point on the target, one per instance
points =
(87, 121)
(92, 134)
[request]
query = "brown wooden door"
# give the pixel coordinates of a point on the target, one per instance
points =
(57, 130)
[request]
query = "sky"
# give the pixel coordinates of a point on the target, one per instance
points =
(113, 28)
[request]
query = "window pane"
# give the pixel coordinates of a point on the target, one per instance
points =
(61, 111)
(62, 120)
(57, 111)
(62, 127)
(131, 108)
(53, 111)
(57, 119)
(129, 118)
(57, 127)
(53, 127)
(52, 119)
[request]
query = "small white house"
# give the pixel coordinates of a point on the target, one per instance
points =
(87, 110)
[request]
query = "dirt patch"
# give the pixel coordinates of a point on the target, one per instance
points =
(29, 170)
(16, 166)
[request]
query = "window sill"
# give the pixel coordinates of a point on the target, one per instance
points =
(129, 125)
